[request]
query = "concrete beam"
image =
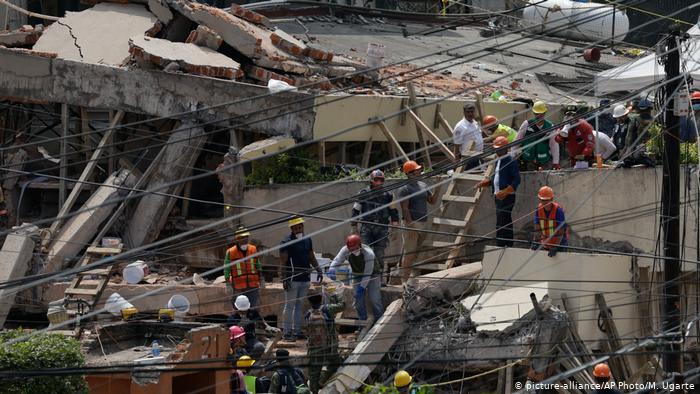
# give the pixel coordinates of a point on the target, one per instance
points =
(32, 76)
(15, 256)
(23, 37)
(81, 228)
(179, 155)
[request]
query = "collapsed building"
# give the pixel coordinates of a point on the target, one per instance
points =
(105, 111)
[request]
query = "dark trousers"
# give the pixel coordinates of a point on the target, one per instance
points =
(504, 220)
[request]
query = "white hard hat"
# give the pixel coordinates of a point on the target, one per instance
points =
(620, 111)
(242, 303)
(564, 132)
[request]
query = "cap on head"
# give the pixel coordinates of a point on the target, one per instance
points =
(601, 370)
(489, 120)
(620, 111)
(402, 379)
(295, 220)
(545, 193)
(644, 105)
(245, 362)
(500, 142)
(282, 354)
(410, 166)
(241, 232)
(539, 107)
(235, 332)
(242, 303)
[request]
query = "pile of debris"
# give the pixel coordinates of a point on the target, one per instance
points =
(183, 36)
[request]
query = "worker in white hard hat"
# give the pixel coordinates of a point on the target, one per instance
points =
(537, 152)
(250, 319)
(623, 121)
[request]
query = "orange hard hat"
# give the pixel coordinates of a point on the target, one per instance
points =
(601, 371)
(353, 240)
(545, 193)
(695, 96)
(489, 120)
(500, 142)
(410, 166)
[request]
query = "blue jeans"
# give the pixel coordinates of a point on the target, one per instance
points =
(293, 304)
(375, 297)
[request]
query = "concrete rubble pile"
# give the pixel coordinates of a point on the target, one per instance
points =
(182, 36)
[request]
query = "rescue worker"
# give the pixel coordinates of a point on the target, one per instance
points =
(249, 318)
(604, 121)
(296, 259)
(322, 349)
(604, 145)
(639, 132)
(578, 135)
(602, 375)
(496, 130)
(286, 379)
(237, 383)
(236, 343)
(538, 155)
(415, 196)
(466, 131)
(243, 274)
(621, 116)
(366, 273)
(377, 201)
(550, 223)
(504, 183)
(244, 364)
(689, 131)
(402, 382)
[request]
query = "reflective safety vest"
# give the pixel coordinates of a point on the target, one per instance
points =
(244, 274)
(539, 152)
(548, 226)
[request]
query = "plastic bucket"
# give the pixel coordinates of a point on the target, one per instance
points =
(180, 304)
(134, 272)
(115, 303)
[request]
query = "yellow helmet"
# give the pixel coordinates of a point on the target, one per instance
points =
(242, 232)
(245, 362)
(540, 107)
(294, 221)
(402, 379)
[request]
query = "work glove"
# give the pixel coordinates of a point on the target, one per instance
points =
(552, 251)
(483, 183)
(286, 284)
(331, 274)
(556, 166)
(505, 193)
(359, 292)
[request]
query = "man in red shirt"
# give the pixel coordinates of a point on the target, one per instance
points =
(580, 141)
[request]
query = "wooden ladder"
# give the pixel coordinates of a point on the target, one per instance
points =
(454, 216)
(87, 287)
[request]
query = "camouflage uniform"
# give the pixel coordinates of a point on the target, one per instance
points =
(325, 355)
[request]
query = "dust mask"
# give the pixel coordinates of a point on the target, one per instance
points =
(299, 235)
(356, 252)
(243, 248)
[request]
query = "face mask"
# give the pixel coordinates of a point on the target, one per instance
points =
(243, 248)
(299, 235)
(696, 107)
(356, 252)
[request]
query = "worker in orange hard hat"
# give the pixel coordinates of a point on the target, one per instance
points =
(491, 126)
(504, 182)
(602, 376)
(550, 223)
(414, 198)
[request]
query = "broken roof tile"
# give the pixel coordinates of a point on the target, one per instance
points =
(250, 16)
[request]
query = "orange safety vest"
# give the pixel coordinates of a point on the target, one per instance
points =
(244, 274)
(548, 225)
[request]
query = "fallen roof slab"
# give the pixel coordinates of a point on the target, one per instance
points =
(190, 57)
(26, 36)
(32, 76)
(501, 309)
(97, 35)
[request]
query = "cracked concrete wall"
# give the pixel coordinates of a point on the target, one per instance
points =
(28, 76)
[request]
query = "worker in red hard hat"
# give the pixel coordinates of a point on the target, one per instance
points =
(550, 223)
(375, 210)
(414, 199)
(366, 275)
(602, 376)
(504, 182)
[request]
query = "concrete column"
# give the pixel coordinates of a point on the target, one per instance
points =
(15, 256)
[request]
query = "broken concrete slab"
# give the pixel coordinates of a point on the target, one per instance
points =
(160, 10)
(205, 37)
(15, 257)
(79, 229)
(25, 36)
(179, 155)
(190, 58)
(265, 147)
(499, 310)
(250, 16)
(264, 75)
(97, 35)
(33, 76)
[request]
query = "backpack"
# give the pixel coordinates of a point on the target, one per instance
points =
(287, 385)
(262, 385)
(317, 330)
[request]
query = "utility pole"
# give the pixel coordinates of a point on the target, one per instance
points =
(670, 208)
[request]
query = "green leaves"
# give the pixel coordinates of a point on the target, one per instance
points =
(41, 351)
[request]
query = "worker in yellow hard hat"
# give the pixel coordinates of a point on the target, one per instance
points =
(538, 151)
(402, 382)
(243, 273)
(243, 365)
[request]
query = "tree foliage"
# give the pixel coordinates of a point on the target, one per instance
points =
(39, 352)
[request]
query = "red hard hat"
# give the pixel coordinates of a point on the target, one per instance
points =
(500, 142)
(601, 371)
(410, 166)
(695, 96)
(235, 332)
(489, 120)
(545, 193)
(353, 240)
(376, 174)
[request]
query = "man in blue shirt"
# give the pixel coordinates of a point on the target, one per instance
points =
(296, 259)
(505, 181)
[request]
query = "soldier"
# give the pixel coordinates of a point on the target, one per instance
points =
(323, 340)
(369, 199)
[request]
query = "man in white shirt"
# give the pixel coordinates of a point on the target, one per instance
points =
(467, 130)
(604, 145)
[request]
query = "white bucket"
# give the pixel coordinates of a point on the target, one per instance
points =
(375, 55)
(115, 303)
(134, 272)
(180, 304)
